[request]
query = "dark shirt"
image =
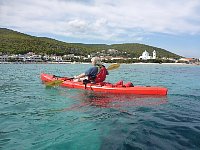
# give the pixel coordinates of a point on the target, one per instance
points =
(92, 72)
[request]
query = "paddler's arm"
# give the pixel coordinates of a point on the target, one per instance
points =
(87, 73)
(79, 76)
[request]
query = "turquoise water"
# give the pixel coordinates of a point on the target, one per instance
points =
(35, 117)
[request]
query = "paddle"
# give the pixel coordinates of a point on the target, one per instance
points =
(58, 82)
(54, 83)
(113, 66)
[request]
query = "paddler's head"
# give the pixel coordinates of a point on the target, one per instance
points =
(96, 61)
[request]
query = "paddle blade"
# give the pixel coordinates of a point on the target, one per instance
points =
(54, 83)
(113, 66)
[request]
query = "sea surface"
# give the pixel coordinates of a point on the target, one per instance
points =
(33, 116)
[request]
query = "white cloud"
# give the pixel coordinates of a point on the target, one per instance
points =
(127, 20)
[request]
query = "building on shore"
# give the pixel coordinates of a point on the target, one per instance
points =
(188, 60)
(145, 55)
(3, 58)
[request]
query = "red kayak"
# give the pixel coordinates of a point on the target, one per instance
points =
(105, 86)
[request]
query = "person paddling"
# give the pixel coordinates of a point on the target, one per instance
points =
(95, 74)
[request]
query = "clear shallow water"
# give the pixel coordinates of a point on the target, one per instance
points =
(35, 117)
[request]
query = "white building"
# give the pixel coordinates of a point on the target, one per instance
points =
(145, 55)
(4, 58)
(31, 57)
(46, 57)
(57, 58)
(112, 51)
(154, 54)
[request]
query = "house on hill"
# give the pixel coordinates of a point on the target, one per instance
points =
(145, 55)
(187, 60)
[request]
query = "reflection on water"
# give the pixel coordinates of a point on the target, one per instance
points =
(107, 100)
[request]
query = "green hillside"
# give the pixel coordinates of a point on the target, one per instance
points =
(13, 42)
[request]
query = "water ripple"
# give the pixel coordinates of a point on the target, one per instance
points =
(35, 117)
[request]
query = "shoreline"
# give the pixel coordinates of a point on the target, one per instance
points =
(193, 64)
(165, 64)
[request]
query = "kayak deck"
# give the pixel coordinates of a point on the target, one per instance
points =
(106, 87)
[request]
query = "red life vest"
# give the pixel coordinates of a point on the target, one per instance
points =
(101, 76)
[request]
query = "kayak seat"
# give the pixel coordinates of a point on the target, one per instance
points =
(101, 83)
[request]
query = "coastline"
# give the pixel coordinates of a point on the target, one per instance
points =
(190, 64)
(165, 64)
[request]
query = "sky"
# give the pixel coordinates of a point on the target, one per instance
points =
(171, 25)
